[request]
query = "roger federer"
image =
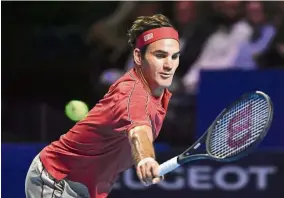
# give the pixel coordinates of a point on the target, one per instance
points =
(119, 131)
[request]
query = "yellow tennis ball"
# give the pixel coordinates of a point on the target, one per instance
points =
(76, 110)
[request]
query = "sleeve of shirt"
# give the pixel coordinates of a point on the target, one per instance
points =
(132, 109)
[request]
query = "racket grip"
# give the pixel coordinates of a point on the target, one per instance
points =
(168, 166)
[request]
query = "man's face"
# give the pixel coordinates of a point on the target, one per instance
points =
(160, 62)
(254, 11)
(230, 8)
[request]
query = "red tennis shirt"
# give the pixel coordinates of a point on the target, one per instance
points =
(97, 148)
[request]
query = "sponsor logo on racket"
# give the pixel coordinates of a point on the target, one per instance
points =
(239, 128)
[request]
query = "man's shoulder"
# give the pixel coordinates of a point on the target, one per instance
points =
(127, 84)
(123, 92)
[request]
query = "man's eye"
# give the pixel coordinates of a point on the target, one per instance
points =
(175, 56)
(160, 55)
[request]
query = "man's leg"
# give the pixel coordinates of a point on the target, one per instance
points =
(40, 184)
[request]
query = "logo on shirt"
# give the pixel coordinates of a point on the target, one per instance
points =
(148, 36)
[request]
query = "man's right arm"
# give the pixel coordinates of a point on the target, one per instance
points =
(141, 141)
(132, 111)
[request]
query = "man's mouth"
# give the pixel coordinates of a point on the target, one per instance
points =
(165, 75)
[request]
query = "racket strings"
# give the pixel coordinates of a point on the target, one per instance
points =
(239, 128)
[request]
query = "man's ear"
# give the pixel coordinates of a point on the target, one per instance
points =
(137, 56)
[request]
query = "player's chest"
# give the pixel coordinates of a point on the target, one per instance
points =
(157, 117)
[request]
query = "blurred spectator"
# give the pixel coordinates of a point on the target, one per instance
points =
(183, 18)
(199, 27)
(273, 56)
(277, 11)
(263, 32)
(106, 32)
(223, 45)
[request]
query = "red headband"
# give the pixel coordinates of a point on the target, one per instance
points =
(153, 35)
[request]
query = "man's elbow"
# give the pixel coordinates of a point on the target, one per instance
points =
(140, 132)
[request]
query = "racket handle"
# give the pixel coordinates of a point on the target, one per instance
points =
(168, 166)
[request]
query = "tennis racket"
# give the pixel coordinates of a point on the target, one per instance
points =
(236, 131)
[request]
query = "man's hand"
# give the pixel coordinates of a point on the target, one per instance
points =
(147, 171)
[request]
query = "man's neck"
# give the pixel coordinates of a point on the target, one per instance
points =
(158, 92)
(155, 91)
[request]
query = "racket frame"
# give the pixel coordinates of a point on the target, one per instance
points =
(188, 155)
(259, 139)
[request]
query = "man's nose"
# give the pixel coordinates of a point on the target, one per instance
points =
(168, 64)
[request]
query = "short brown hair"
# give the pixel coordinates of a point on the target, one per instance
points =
(145, 23)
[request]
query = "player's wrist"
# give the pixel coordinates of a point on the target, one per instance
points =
(144, 161)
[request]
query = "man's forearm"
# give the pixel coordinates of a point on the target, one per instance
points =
(141, 144)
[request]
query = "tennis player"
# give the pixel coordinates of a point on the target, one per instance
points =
(119, 131)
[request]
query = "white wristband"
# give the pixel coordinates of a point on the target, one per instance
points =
(145, 160)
